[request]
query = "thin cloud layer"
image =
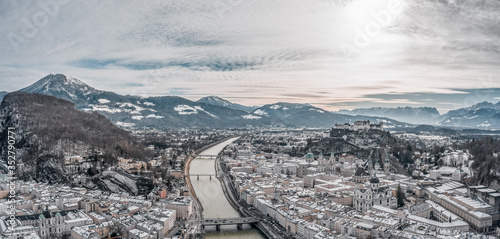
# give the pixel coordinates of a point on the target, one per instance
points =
(335, 54)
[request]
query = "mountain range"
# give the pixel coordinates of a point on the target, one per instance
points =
(215, 112)
(174, 111)
(484, 115)
(413, 115)
(126, 110)
(215, 100)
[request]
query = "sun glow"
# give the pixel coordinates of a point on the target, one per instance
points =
(361, 10)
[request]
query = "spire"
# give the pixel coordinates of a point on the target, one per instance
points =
(387, 163)
(370, 161)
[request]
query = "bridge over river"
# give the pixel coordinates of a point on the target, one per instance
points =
(210, 175)
(217, 222)
(206, 156)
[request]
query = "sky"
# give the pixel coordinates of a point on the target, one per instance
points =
(334, 54)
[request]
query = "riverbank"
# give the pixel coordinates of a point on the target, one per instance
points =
(221, 177)
(187, 178)
(230, 194)
(209, 192)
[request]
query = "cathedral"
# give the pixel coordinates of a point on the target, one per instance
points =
(326, 165)
(365, 198)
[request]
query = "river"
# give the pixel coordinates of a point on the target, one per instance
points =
(212, 198)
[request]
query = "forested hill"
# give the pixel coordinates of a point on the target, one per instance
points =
(47, 129)
(486, 165)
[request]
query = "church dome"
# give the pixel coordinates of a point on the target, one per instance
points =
(309, 155)
(374, 179)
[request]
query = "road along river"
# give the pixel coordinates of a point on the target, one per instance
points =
(211, 196)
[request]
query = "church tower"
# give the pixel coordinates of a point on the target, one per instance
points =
(387, 163)
(331, 162)
(370, 164)
(332, 158)
(320, 158)
(321, 163)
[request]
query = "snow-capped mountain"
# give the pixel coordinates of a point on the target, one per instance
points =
(174, 111)
(63, 87)
(212, 111)
(165, 111)
(215, 100)
(414, 115)
(484, 115)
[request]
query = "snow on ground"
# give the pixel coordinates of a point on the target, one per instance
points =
(467, 170)
(286, 108)
(185, 110)
(103, 108)
(72, 81)
(154, 116)
(103, 101)
(447, 170)
(250, 116)
(137, 117)
(275, 107)
(123, 124)
(69, 93)
(201, 109)
(137, 110)
(123, 107)
(220, 101)
(320, 111)
(260, 112)
(148, 103)
(455, 158)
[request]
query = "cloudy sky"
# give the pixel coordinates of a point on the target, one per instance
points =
(334, 54)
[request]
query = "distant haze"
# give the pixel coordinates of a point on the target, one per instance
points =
(335, 55)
